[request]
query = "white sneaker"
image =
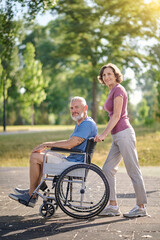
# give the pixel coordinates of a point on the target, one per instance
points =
(136, 212)
(110, 211)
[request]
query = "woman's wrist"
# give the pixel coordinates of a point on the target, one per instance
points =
(104, 134)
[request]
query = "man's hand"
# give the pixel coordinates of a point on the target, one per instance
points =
(39, 148)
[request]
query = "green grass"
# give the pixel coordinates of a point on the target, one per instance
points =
(15, 149)
(36, 127)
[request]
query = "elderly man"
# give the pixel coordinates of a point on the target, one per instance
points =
(84, 129)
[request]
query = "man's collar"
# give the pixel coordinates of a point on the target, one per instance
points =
(81, 120)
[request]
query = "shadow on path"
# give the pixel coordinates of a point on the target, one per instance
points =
(16, 227)
(132, 195)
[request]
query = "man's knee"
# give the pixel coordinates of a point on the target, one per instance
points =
(36, 158)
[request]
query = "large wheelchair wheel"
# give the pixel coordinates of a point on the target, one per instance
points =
(82, 191)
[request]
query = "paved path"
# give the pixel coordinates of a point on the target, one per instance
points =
(22, 223)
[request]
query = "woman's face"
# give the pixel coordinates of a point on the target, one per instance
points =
(108, 77)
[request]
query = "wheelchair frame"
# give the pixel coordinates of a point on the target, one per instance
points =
(80, 189)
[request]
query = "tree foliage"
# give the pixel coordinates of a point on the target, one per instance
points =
(8, 35)
(33, 83)
(72, 48)
(143, 111)
(102, 31)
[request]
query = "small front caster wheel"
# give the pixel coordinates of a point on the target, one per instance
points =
(55, 203)
(47, 210)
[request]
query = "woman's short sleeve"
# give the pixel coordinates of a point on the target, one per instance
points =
(118, 92)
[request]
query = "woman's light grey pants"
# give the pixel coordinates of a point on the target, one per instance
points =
(124, 145)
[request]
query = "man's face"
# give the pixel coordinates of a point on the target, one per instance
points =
(77, 110)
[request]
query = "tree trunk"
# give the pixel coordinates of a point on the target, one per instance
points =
(4, 104)
(94, 99)
(33, 116)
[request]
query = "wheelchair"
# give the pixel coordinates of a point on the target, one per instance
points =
(80, 189)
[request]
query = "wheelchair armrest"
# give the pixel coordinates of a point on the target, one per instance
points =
(66, 150)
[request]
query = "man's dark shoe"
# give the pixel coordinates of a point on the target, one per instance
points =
(23, 199)
(21, 191)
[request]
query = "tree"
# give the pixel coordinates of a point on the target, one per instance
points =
(146, 82)
(8, 34)
(32, 83)
(6, 39)
(83, 37)
(101, 31)
(149, 83)
(143, 110)
(155, 70)
(63, 80)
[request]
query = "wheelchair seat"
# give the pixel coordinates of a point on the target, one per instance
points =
(54, 166)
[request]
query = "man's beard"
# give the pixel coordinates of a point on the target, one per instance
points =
(76, 118)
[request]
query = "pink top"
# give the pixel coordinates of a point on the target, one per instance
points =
(123, 122)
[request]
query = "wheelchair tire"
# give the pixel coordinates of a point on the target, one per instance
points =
(82, 191)
(54, 203)
(47, 210)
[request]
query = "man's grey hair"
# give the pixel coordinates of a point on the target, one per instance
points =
(83, 101)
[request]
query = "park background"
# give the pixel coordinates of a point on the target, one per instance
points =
(51, 51)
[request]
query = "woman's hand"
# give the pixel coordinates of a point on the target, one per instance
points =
(99, 138)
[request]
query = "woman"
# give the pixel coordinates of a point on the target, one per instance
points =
(123, 145)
